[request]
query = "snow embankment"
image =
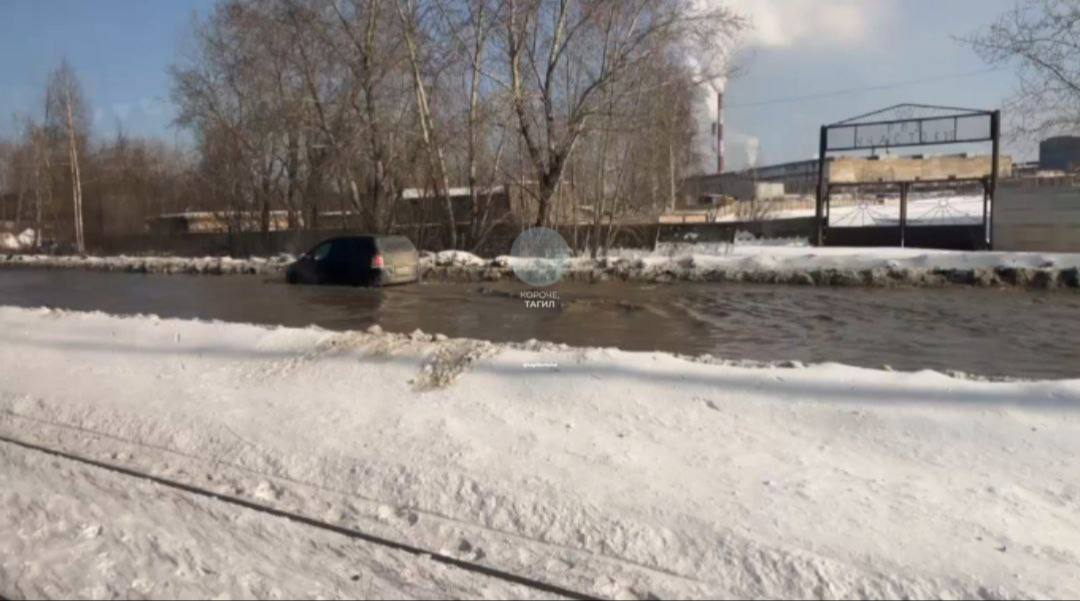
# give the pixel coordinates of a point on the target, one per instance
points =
(793, 264)
(9, 241)
(613, 473)
(168, 265)
(781, 262)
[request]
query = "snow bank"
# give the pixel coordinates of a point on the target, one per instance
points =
(449, 258)
(774, 262)
(793, 263)
(618, 474)
(204, 265)
(10, 241)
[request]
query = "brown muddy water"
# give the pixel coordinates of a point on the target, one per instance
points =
(989, 332)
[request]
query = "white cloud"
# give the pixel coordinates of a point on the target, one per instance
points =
(778, 23)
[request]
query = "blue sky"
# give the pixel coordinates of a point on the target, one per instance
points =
(119, 48)
(804, 47)
(122, 48)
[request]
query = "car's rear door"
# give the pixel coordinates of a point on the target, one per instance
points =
(400, 259)
(334, 269)
(356, 258)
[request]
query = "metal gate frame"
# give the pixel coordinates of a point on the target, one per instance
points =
(897, 126)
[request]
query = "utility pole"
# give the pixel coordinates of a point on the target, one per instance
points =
(822, 190)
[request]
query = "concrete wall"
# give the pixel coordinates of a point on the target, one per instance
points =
(800, 227)
(1038, 215)
(735, 185)
(499, 242)
(852, 170)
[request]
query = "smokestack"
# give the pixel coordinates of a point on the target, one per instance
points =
(719, 132)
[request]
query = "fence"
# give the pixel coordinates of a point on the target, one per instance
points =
(498, 242)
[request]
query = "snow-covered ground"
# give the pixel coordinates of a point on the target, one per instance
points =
(76, 532)
(938, 210)
(613, 473)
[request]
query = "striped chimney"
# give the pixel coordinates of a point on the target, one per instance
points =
(719, 132)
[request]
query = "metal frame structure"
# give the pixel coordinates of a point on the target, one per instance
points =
(902, 128)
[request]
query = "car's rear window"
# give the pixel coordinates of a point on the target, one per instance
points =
(396, 244)
(363, 246)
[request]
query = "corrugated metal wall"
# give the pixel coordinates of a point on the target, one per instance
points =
(1038, 215)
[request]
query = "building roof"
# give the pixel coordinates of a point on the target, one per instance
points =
(416, 193)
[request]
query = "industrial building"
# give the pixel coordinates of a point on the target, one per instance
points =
(1061, 153)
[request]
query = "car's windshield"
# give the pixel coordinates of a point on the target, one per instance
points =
(321, 251)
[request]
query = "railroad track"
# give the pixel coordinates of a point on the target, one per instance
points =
(468, 566)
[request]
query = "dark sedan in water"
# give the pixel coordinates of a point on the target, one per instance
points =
(358, 261)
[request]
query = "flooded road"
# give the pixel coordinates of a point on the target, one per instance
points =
(991, 332)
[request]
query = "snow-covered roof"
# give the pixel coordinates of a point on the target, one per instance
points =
(415, 193)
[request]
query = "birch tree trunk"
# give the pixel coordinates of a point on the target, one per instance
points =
(76, 182)
(436, 157)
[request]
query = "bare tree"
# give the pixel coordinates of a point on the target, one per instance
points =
(369, 44)
(562, 55)
(42, 179)
(412, 21)
(1042, 38)
(66, 109)
(298, 103)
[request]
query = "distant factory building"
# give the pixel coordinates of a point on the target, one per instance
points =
(1061, 153)
(797, 177)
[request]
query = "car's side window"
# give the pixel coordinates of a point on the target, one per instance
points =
(342, 250)
(321, 252)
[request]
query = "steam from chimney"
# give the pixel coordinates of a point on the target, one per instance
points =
(709, 137)
(708, 52)
(753, 145)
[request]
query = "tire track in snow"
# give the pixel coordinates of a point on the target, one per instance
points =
(468, 566)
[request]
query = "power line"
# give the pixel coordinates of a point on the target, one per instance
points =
(887, 86)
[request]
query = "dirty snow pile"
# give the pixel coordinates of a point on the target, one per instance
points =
(9, 241)
(616, 474)
(791, 262)
(450, 258)
(168, 265)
